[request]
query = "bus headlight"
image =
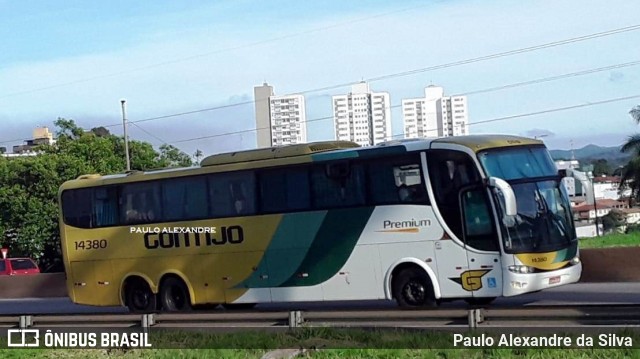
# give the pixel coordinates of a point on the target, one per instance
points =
(521, 269)
(575, 260)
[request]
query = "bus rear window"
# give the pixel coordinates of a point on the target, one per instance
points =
(76, 206)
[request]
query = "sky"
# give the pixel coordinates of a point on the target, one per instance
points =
(187, 69)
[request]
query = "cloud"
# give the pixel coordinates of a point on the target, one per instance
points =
(203, 66)
(616, 76)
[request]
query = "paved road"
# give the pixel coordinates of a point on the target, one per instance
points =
(574, 294)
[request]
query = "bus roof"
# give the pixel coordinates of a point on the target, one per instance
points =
(482, 142)
(276, 152)
(304, 153)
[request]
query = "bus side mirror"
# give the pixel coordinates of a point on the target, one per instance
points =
(510, 205)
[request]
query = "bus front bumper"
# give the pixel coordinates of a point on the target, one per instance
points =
(517, 283)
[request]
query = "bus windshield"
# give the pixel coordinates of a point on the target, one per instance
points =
(544, 221)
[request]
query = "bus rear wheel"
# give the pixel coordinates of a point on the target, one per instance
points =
(174, 295)
(412, 289)
(139, 297)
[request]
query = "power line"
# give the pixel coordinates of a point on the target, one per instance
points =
(149, 133)
(556, 109)
(402, 134)
(525, 83)
(511, 52)
(417, 71)
(552, 78)
(232, 48)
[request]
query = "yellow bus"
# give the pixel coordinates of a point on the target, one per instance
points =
(419, 221)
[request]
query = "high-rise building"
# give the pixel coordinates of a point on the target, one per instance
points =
(362, 116)
(280, 120)
(41, 136)
(288, 121)
(261, 96)
(435, 115)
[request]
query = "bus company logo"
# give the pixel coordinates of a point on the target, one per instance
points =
(470, 280)
(227, 235)
(23, 338)
(411, 226)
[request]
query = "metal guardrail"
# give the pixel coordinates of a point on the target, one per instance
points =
(453, 318)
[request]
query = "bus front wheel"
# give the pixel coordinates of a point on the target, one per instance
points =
(174, 295)
(412, 289)
(139, 297)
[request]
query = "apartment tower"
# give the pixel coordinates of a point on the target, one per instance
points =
(362, 116)
(280, 120)
(435, 115)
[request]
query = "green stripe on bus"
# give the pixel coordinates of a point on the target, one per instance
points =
(287, 249)
(329, 156)
(566, 254)
(331, 247)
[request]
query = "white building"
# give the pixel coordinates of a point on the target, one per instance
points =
(280, 120)
(569, 182)
(41, 136)
(607, 187)
(362, 116)
(288, 120)
(435, 115)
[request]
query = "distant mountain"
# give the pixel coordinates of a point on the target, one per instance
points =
(589, 153)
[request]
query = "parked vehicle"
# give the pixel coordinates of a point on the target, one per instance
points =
(18, 266)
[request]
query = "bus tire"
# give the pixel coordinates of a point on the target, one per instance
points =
(238, 306)
(174, 295)
(138, 296)
(412, 289)
(480, 301)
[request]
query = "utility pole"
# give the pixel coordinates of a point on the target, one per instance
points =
(595, 205)
(126, 138)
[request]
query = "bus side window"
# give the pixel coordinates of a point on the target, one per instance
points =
(184, 199)
(105, 206)
(478, 227)
(140, 203)
(232, 194)
(408, 180)
(284, 190)
(396, 180)
(337, 185)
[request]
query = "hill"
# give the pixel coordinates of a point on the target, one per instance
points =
(589, 153)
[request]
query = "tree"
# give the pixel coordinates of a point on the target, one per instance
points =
(612, 220)
(601, 167)
(197, 156)
(631, 171)
(29, 192)
(170, 156)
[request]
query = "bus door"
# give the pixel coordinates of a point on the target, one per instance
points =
(469, 261)
(484, 277)
(450, 251)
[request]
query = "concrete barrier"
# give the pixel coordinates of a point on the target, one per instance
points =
(598, 265)
(43, 285)
(619, 264)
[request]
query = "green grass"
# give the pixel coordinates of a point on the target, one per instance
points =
(357, 343)
(612, 240)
